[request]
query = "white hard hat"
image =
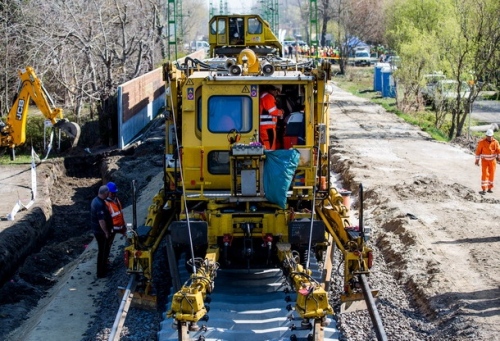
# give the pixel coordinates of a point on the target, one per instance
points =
(489, 132)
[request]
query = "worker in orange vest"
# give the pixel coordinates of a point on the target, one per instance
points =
(269, 114)
(488, 151)
(115, 209)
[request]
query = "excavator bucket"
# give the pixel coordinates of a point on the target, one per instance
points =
(71, 129)
(354, 302)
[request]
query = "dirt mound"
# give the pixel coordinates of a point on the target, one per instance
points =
(467, 142)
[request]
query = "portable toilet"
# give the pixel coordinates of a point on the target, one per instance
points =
(377, 76)
(388, 86)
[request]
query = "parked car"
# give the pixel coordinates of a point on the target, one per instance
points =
(431, 81)
(199, 45)
(393, 60)
(362, 58)
(445, 92)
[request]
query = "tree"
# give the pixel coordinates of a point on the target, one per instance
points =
(12, 47)
(471, 52)
(195, 19)
(465, 36)
(411, 31)
(355, 20)
(85, 49)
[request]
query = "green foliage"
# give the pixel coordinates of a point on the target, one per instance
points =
(422, 15)
(359, 82)
(34, 135)
(413, 30)
(458, 37)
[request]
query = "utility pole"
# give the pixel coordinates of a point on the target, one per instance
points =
(223, 9)
(275, 21)
(314, 25)
(211, 9)
(180, 22)
(270, 13)
(171, 29)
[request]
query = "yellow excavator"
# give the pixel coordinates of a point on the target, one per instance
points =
(13, 132)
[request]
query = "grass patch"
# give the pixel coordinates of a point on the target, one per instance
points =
(359, 82)
(34, 139)
(20, 159)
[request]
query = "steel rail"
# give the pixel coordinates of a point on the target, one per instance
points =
(372, 309)
(121, 315)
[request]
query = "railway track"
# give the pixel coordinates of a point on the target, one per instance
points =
(250, 305)
(246, 304)
(122, 312)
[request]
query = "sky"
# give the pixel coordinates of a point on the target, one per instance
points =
(235, 6)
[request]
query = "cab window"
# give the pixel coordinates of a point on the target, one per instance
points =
(236, 31)
(221, 29)
(254, 26)
(229, 112)
(218, 162)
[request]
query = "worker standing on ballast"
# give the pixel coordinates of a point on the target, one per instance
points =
(115, 209)
(269, 114)
(488, 151)
(100, 222)
(118, 219)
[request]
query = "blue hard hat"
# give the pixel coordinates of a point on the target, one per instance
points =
(112, 187)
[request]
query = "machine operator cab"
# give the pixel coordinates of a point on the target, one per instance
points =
(229, 34)
(233, 114)
(228, 116)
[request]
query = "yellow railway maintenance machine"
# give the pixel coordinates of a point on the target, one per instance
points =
(232, 207)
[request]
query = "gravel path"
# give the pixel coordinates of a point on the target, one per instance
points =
(422, 202)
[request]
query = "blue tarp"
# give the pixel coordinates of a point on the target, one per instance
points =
(279, 169)
(356, 42)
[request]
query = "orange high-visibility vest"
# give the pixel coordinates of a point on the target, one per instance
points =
(269, 112)
(487, 150)
(115, 209)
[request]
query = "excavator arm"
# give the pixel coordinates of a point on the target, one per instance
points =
(13, 132)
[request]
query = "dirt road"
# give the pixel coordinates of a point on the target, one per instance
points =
(15, 185)
(421, 198)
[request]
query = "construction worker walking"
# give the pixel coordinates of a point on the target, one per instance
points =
(488, 151)
(269, 114)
